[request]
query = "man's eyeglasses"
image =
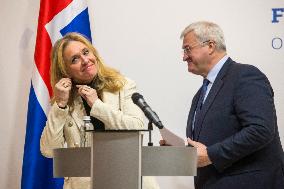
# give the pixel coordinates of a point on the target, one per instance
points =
(187, 49)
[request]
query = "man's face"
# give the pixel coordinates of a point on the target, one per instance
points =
(196, 54)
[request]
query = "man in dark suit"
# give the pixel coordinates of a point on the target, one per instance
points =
(232, 121)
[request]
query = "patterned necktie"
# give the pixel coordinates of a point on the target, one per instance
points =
(199, 104)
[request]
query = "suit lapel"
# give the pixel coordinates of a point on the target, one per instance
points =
(209, 100)
(217, 85)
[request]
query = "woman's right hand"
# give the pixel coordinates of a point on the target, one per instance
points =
(62, 92)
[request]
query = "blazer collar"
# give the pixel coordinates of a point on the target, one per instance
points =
(112, 99)
(217, 85)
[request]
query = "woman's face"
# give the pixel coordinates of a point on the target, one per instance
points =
(81, 63)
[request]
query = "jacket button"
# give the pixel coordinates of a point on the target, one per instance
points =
(76, 144)
(70, 124)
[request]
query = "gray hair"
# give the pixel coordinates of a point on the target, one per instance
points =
(205, 31)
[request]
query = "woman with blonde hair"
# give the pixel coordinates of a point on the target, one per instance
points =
(83, 85)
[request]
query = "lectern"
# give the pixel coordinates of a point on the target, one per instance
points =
(117, 160)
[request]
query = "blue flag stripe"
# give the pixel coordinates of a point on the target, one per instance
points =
(33, 160)
(78, 24)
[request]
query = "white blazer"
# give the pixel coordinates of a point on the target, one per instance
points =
(115, 110)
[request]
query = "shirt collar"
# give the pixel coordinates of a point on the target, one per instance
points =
(215, 70)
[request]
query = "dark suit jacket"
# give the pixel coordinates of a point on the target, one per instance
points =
(238, 125)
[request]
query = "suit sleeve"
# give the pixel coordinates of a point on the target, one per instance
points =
(52, 136)
(129, 117)
(254, 108)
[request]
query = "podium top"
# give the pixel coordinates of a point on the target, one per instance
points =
(116, 131)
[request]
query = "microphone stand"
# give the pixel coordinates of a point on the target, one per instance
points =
(150, 128)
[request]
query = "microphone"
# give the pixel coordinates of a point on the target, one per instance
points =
(149, 113)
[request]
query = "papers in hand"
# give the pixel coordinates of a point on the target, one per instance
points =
(171, 138)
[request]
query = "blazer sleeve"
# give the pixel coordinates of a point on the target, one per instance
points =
(254, 108)
(128, 117)
(52, 135)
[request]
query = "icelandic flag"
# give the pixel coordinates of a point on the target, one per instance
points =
(56, 18)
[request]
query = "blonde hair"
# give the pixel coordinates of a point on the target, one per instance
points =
(107, 78)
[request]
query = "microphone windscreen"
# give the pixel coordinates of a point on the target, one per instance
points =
(135, 97)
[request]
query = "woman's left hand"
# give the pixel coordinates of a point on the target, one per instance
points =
(88, 93)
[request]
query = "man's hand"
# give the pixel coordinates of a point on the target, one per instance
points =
(202, 156)
(163, 143)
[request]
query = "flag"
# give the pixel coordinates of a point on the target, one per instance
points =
(56, 18)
